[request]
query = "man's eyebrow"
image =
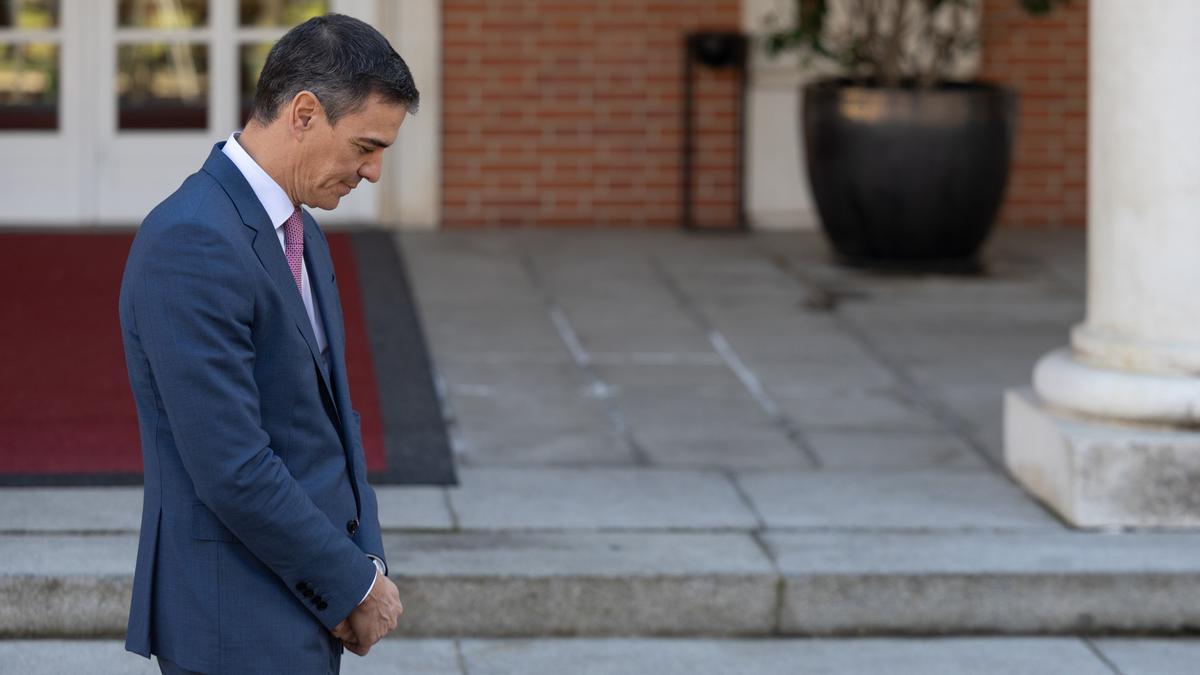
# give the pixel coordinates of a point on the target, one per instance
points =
(372, 141)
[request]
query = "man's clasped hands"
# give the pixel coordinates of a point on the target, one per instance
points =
(375, 617)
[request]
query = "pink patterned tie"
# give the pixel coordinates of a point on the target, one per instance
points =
(293, 244)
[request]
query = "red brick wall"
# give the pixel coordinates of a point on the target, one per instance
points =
(1045, 59)
(567, 112)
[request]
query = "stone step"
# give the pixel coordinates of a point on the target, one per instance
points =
(926, 656)
(505, 583)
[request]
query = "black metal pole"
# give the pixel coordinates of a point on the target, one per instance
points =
(716, 50)
(740, 157)
(686, 163)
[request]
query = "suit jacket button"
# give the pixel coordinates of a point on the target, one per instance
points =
(307, 592)
(322, 605)
(300, 586)
(352, 526)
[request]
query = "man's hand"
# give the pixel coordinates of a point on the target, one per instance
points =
(374, 618)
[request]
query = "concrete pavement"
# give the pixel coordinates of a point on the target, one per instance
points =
(701, 437)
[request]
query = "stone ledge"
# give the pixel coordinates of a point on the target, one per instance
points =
(969, 583)
(504, 584)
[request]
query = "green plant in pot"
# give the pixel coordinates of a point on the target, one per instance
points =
(907, 161)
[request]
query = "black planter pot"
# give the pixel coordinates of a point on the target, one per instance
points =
(906, 177)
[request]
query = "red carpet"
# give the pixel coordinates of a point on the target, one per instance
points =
(66, 410)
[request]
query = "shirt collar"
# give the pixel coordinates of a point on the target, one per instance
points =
(276, 202)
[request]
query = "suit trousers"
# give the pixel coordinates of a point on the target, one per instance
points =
(168, 668)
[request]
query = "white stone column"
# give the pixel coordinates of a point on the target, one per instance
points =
(1110, 435)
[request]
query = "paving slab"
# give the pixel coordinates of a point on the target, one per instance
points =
(119, 509)
(452, 284)
(54, 657)
(1152, 657)
(719, 307)
(780, 341)
(884, 451)
(75, 555)
(503, 378)
(441, 269)
(90, 509)
(1019, 582)
(708, 378)
(1001, 372)
(583, 445)
(985, 343)
(734, 285)
(966, 309)
(530, 425)
(619, 326)
(1003, 285)
(406, 656)
(598, 498)
(783, 657)
(804, 378)
(672, 409)
(981, 407)
(771, 314)
(505, 410)
(723, 447)
(580, 282)
(520, 329)
(867, 410)
(108, 657)
(545, 584)
(412, 507)
(919, 499)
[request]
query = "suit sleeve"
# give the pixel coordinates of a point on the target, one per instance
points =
(195, 306)
(369, 536)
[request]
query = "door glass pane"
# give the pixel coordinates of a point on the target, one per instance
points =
(29, 14)
(162, 85)
(250, 63)
(29, 86)
(162, 13)
(279, 13)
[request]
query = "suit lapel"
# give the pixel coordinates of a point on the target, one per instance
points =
(267, 248)
(320, 273)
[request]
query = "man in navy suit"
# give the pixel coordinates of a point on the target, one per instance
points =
(260, 548)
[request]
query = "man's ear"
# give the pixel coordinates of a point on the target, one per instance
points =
(305, 110)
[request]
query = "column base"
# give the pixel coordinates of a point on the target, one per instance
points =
(1096, 473)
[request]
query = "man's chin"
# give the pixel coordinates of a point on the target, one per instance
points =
(327, 204)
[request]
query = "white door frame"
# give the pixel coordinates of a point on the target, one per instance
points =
(42, 177)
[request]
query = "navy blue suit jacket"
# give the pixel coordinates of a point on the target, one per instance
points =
(257, 518)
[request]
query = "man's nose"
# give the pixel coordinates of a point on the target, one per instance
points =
(372, 169)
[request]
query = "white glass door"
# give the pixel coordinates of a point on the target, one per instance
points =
(131, 95)
(159, 99)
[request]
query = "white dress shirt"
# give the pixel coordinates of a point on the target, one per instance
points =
(279, 208)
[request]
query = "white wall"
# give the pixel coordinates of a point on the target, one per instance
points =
(412, 195)
(777, 192)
